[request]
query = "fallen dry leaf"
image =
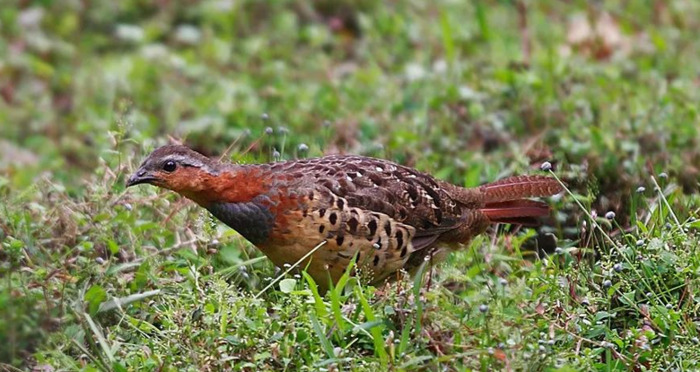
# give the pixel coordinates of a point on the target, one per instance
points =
(600, 37)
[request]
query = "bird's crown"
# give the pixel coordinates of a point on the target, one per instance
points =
(166, 162)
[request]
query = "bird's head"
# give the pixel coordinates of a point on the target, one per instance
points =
(177, 168)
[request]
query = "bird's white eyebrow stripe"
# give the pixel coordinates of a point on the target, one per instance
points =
(181, 159)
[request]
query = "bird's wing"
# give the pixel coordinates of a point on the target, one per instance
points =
(403, 194)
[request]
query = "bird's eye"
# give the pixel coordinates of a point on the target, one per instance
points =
(169, 166)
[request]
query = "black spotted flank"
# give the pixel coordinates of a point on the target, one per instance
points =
(399, 239)
(339, 240)
(322, 212)
(333, 218)
(321, 228)
(387, 228)
(376, 260)
(372, 225)
(353, 223)
(340, 203)
(404, 251)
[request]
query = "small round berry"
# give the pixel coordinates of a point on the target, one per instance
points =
(265, 116)
(663, 175)
(546, 166)
(283, 130)
(559, 251)
(269, 130)
(483, 308)
(617, 267)
(303, 147)
(100, 260)
(585, 302)
(610, 215)
(641, 189)
(503, 282)
(607, 283)
(640, 242)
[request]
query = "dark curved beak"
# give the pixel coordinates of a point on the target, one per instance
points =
(141, 176)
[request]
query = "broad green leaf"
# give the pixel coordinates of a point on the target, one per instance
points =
(287, 285)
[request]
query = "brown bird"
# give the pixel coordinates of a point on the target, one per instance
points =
(387, 216)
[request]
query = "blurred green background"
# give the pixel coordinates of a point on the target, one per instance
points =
(459, 86)
(470, 91)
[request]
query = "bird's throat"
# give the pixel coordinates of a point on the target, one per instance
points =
(235, 185)
(237, 197)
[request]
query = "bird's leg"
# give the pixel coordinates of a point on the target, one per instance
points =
(430, 272)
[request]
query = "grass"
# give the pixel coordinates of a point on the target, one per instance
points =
(95, 277)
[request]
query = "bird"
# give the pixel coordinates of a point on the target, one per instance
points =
(325, 212)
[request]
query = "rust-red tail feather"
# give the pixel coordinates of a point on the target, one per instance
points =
(515, 210)
(505, 203)
(518, 187)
